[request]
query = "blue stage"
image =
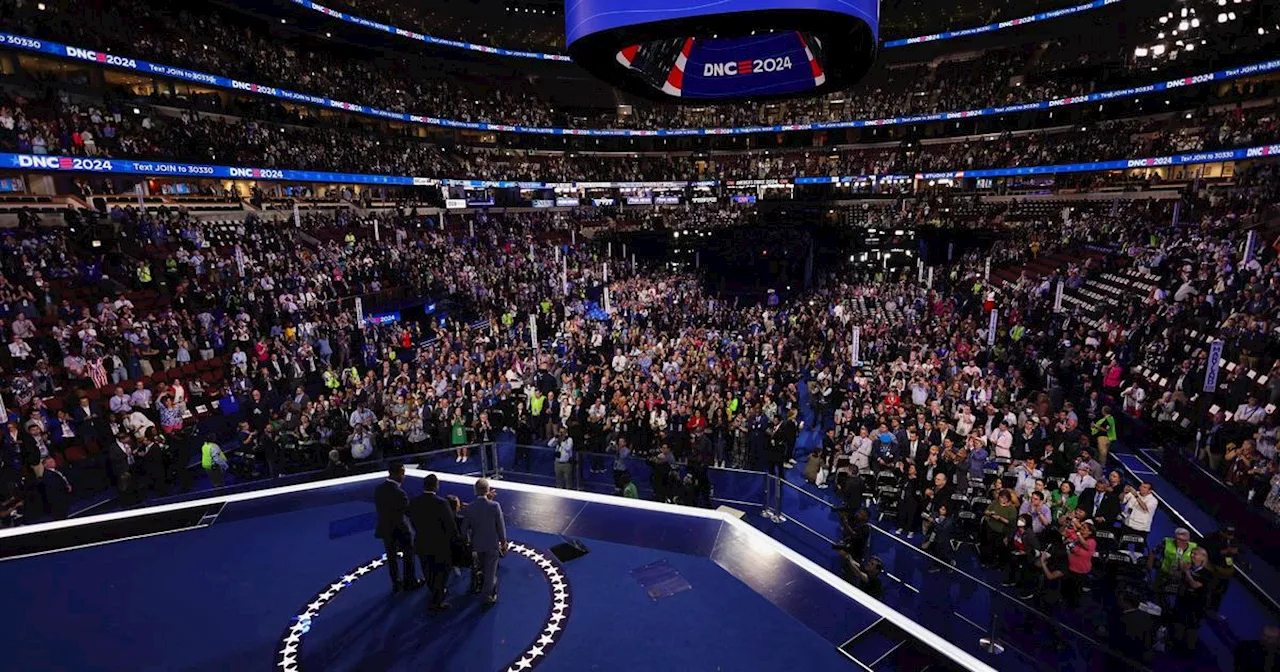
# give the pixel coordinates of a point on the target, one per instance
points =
(291, 579)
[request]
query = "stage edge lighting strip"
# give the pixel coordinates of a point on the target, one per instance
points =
(80, 164)
(146, 67)
(912, 628)
(538, 55)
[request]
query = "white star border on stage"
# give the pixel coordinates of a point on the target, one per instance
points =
(288, 652)
(561, 602)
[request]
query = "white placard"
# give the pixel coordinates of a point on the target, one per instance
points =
(991, 328)
(856, 346)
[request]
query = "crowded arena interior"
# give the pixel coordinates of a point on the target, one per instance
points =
(840, 335)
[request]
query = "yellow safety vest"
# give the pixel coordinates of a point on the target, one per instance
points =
(206, 454)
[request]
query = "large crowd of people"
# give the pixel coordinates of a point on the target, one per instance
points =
(219, 41)
(57, 124)
(936, 417)
(974, 409)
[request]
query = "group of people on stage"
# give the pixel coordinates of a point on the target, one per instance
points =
(441, 534)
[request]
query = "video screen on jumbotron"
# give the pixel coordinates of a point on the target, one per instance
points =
(730, 67)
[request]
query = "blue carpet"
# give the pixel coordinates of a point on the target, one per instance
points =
(720, 624)
(345, 527)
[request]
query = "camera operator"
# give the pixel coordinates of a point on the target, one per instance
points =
(856, 528)
(865, 576)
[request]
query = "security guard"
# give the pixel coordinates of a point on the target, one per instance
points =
(214, 462)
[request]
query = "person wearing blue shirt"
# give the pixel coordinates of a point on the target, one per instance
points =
(622, 452)
(976, 464)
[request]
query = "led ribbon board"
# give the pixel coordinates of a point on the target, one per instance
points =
(21, 42)
(692, 50)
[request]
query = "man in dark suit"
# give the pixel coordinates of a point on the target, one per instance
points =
(912, 449)
(1102, 506)
(483, 524)
(53, 488)
(393, 529)
(434, 528)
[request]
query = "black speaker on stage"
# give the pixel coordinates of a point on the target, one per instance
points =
(569, 549)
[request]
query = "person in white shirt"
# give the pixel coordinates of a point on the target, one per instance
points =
(619, 361)
(1250, 412)
(1027, 474)
(19, 349)
(137, 423)
(1133, 398)
(860, 447)
(964, 421)
(1001, 440)
(1082, 480)
(1139, 508)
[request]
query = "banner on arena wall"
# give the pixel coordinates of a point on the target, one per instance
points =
(137, 189)
(856, 346)
(986, 275)
(1214, 364)
(1250, 243)
(240, 259)
(79, 164)
(359, 311)
(1057, 297)
(297, 216)
(25, 43)
(533, 332)
(991, 328)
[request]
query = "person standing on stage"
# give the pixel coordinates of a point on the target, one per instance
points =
(434, 528)
(393, 529)
(483, 524)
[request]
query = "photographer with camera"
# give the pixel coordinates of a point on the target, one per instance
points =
(1077, 534)
(864, 576)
